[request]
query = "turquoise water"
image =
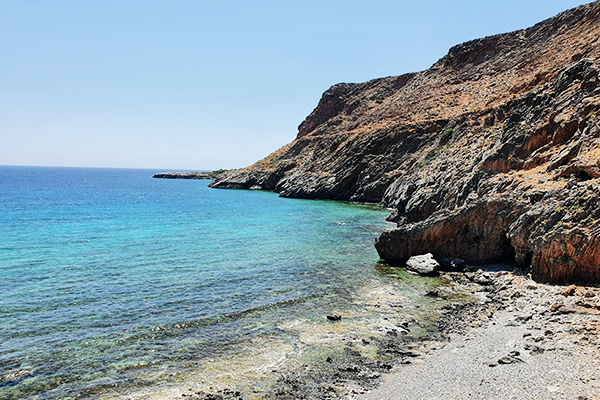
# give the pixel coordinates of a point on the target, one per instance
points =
(105, 273)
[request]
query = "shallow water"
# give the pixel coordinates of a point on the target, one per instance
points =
(112, 280)
(116, 285)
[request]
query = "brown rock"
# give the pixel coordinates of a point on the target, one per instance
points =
(569, 290)
(489, 155)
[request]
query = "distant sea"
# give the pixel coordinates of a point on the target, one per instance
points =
(112, 282)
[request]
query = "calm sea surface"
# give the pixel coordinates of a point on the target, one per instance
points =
(111, 279)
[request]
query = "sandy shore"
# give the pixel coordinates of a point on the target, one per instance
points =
(531, 341)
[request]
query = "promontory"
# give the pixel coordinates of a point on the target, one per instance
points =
(492, 154)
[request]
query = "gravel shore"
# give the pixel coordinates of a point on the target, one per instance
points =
(530, 341)
(520, 340)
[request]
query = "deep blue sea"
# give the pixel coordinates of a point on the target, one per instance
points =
(113, 282)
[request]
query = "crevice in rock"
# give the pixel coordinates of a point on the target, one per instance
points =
(509, 252)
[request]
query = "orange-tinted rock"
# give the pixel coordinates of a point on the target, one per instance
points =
(491, 154)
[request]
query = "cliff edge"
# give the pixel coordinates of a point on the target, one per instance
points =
(491, 154)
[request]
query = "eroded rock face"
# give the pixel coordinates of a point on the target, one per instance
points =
(491, 154)
(476, 233)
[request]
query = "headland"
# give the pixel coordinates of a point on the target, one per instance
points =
(489, 156)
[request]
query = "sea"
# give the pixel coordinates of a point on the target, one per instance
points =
(117, 285)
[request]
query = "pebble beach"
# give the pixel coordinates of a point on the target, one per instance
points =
(529, 341)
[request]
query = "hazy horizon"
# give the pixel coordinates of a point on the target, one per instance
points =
(204, 85)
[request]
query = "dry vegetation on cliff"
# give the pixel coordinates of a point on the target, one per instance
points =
(491, 154)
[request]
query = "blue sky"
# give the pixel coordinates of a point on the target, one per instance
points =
(184, 84)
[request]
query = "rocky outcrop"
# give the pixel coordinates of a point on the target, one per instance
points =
(491, 154)
(476, 233)
(189, 175)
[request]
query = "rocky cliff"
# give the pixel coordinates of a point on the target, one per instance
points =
(491, 154)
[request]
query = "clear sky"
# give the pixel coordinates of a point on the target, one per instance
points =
(193, 84)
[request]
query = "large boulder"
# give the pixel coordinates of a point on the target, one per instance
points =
(424, 264)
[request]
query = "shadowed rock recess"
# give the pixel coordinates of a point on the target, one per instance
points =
(492, 154)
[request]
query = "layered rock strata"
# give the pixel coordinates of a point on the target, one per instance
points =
(492, 154)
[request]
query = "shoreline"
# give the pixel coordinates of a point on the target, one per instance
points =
(533, 341)
(521, 340)
(391, 321)
(186, 175)
(514, 338)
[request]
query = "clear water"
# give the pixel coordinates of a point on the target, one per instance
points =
(109, 278)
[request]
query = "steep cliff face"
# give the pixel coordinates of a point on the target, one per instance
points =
(491, 154)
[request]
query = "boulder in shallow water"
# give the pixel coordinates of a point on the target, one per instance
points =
(423, 265)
